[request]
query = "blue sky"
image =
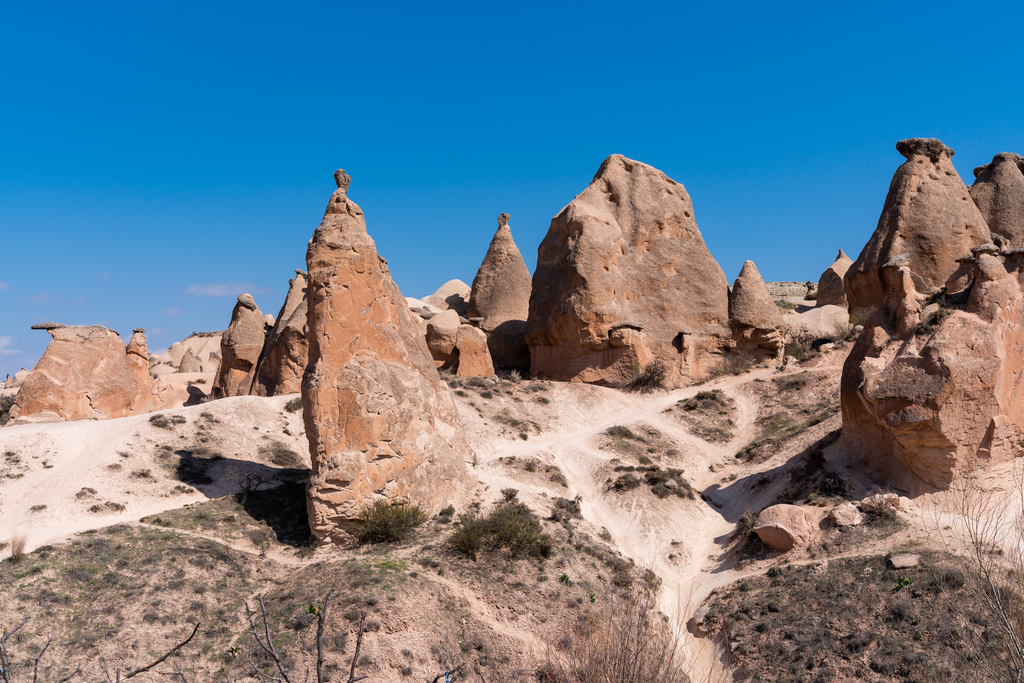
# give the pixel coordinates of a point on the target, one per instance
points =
(157, 159)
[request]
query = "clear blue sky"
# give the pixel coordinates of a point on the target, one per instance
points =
(153, 156)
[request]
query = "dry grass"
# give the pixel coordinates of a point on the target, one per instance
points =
(18, 544)
(624, 640)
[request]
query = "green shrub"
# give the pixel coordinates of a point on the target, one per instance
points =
(386, 522)
(509, 526)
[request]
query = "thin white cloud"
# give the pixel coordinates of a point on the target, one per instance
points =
(226, 289)
(173, 311)
(3, 286)
(5, 350)
(40, 298)
(103, 276)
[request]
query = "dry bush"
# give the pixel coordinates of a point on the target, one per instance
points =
(18, 544)
(987, 540)
(294, 405)
(645, 380)
(386, 522)
(626, 640)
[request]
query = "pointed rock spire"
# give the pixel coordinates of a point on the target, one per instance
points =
(831, 291)
(380, 422)
(501, 296)
(998, 190)
(928, 215)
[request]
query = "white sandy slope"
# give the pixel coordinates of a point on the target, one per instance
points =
(51, 464)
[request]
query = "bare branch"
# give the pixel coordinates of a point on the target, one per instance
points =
(452, 671)
(269, 646)
(71, 675)
(355, 656)
(5, 659)
(170, 652)
(35, 667)
(320, 619)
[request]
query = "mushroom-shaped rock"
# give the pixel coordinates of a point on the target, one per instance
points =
(784, 526)
(240, 349)
(626, 249)
(928, 215)
(380, 422)
(831, 291)
(87, 372)
(286, 349)
(501, 298)
(998, 190)
(755, 319)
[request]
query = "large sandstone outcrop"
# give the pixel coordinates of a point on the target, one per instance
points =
(756, 322)
(501, 297)
(624, 278)
(928, 393)
(87, 372)
(381, 424)
(998, 190)
(285, 353)
(240, 349)
(928, 215)
(831, 290)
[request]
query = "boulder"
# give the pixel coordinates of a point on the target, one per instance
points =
(817, 323)
(787, 290)
(87, 372)
(846, 514)
(623, 279)
(501, 297)
(240, 349)
(904, 561)
(285, 353)
(380, 422)
(473, 357)
(442, 334)
(451, 296)
(831, 291)
(928, 216)
(929, 399)
(757, 328)
(784, 526)
(998, 190)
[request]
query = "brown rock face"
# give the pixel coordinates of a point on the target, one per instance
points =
(381, 424)
(286, 350)
(998, 190)
(932, 402)
(473, 358)
(240, 349)
(928, 215)
(624, 277)
(87, 372)
(756, 322)
(501, 296)
(831, 290)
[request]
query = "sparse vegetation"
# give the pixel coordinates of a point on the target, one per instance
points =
(160, 421)
(385, 522)
(281, 454)
(510, 526)
(6, 403)
(647, 379)
(294, 405)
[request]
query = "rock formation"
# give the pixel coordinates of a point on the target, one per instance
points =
(784, 526)
(442, 333)
(928, 215)
(930, 393)
(624, 278)
(451, 296)
(203, 347)
(19, 378)
(998, 190)
(380, 422)
(240, 349)
(87, 372)
(501, 299)
(286, 350)
(757, 327)
(473, 359)
(831, 290)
